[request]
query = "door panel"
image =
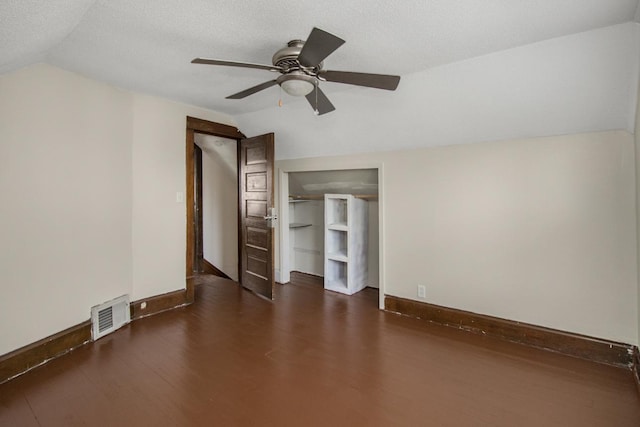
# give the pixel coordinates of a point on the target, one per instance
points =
(257, 181)
(256, 200)
(256, 208)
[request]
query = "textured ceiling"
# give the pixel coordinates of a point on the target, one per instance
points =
(147, 45)
(29, 29)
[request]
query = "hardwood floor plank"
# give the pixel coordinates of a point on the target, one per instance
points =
(311, 358)
(15, 410)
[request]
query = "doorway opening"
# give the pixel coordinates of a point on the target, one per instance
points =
(216, 206)
(195, 245)
(255, 210)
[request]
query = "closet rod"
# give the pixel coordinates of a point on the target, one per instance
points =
(321, 196)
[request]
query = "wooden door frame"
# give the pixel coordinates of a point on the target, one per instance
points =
(198, 222)
(195, 125)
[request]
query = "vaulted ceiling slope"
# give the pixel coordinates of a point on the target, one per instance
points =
(586, 82)
(146, 45)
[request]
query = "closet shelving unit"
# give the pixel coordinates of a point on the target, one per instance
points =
(298, 224)
(305, 237)
(346, 230)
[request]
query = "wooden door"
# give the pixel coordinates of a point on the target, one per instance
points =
(256, 202)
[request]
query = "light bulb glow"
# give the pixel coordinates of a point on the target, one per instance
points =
(297, 87)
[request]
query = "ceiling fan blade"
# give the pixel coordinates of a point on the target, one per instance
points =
(235, 64)
(252, 90)
(378, 81)
(319, 101)
(318, 46)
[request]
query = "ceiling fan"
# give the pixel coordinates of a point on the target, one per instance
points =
(300, 65)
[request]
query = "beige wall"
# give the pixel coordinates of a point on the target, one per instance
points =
(65, 216)
(89, 175)
(541, 231)
(159, 222)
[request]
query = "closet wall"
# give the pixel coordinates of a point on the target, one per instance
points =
(306, 236)
(306, 216)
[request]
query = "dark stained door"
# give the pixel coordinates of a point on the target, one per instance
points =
(256, 202)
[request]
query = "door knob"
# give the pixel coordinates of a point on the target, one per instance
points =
(271, 218)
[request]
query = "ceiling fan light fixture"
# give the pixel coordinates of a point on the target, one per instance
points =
(300, 64)
(297, 84)
(297, 87)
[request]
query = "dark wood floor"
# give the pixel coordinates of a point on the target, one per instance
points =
(311, 358)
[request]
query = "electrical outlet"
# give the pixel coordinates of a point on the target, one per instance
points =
(422, 291)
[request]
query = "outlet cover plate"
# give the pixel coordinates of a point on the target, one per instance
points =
(422, 291)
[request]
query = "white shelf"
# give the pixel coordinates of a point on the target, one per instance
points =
(306, 241)
(337, 286)
(336, 208)
(338, 257)
(346, 234)
(336, 275)
(335, 242)
(299, 225)
(340, 226)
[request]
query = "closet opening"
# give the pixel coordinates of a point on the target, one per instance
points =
(330, 227)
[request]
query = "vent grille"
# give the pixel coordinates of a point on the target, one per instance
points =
(107, 317)
(288, 63)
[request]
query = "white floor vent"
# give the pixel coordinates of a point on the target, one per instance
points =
(107, 317)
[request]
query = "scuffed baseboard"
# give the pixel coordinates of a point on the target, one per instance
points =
(33, 355)
(157, 304)
(581, 346)
(38, 353)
